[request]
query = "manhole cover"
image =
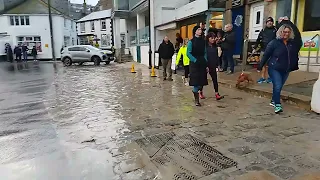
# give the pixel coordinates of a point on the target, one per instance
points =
(185, 156)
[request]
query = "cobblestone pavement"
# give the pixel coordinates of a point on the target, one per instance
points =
(112, 124)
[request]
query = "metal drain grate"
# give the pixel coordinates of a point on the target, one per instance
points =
(186, 156)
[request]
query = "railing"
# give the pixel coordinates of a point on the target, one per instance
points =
(143, 35)
(309, 50)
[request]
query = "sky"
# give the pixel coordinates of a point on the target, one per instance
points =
(91, 2)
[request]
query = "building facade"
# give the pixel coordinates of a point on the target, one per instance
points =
(30, 26)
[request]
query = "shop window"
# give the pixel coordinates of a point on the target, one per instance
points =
(30, 41)
(12, 20)
(312, 16)
(105, 40)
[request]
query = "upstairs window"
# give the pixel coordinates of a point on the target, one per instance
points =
(92, 25)
(312, 16)
(19, 20)
(103, 25)
(82, 27)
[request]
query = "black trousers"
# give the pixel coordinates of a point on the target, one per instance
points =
(214, 77)
(186, 71)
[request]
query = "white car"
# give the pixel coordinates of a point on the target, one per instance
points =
(83, 53)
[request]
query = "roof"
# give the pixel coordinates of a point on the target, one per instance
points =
(32, 7)
(96, 15)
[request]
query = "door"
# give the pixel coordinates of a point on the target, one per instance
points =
(138, 54)
(84, 54)
(256, 20)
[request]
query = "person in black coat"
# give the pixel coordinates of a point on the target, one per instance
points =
(17, 52)
(280, 55)
(196, 52)
(228, 44)
(166, 51)
(34, 53)
(9, 53)
(213, 61)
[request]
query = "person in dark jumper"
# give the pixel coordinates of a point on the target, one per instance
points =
(196, 52)
(213, 62)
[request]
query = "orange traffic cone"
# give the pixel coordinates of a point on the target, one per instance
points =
(132, 69)
(153, 72)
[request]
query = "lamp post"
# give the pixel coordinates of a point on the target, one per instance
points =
(51, 33)
(150, 50)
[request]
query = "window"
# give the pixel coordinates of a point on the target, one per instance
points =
(258, 17)
(92, 25)
(74, 49)
(82, 27)
(12, 20)
(72, 41)
(82, 49)
(30, 41)
(312, 16)
(103, 25)
(105, 40)
(19, 20)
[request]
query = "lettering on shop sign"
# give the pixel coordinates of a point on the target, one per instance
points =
(236, 3)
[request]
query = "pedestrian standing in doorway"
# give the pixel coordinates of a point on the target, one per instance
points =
(213, 62)
(24, 52)
(182, 54)
(196, 52)
(265, 36)
(34, 53)
(166, 51)
(228, 44)
(280, 55)
(17, 52)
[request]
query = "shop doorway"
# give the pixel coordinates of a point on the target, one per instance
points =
(256, 20)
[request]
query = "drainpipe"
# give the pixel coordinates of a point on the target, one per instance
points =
(150, 50)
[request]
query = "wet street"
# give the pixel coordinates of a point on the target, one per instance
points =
(105, 123)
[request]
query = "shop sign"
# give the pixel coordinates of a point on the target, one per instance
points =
(236, 3)
(192, 8)
(313, 44)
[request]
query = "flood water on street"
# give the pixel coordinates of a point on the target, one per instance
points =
(87, 122)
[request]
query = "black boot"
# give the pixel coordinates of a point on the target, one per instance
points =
(196, 98)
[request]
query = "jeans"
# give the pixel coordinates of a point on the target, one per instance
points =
(196, 89)
(228, 60)
(25, 56)
(278, 80)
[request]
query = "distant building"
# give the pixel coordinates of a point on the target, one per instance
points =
(103, 5)
(28, 23)
(76, 11)
(96, 27)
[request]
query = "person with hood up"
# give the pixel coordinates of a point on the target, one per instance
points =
(9, 52)
(281, 57)
(196, 52)
(166, 51)
(182, 53)
(265, 36)
(34, 53)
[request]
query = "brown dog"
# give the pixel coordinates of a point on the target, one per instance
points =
(244, 77)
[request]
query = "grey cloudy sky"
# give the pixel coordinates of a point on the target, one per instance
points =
(91, 2)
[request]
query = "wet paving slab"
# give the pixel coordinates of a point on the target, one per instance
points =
(87, 122)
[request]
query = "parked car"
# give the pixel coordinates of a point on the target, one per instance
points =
(83, 53)
(109, 53)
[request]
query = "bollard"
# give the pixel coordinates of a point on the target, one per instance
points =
(315, 99)
(132, 69)
(153, 72)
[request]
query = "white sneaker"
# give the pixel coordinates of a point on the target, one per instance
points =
(186, 82)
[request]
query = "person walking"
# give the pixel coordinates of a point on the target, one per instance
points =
(34, 53)
(280, 55)
(17, 52)
(24, 52)
(228, 44)
(213, 62)
(166, 51)
(186, 61)
(265, 36)
(196, 52)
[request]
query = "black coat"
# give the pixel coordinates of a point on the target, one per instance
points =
(212, 57)
(230, 41)
(266, 35)
(17, 51)
(166, 50)
(196, 52)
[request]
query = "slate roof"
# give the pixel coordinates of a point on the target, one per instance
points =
(32, 7)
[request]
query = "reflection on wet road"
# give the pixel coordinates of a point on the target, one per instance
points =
(86, 122)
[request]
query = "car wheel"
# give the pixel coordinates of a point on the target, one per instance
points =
(107, 62)
(80, 63)
(67, 62)
(96, 60)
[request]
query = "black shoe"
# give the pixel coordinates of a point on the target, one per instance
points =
(170, 79)
(196, 99)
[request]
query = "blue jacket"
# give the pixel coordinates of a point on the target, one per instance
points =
(281, 57)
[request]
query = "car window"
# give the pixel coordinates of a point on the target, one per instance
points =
(82, 49)
(74, 49)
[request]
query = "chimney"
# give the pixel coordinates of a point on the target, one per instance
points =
(84, 12)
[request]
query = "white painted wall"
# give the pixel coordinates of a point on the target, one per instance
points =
(133, 51)
(39, 26)
(145, 54)
(97, 29)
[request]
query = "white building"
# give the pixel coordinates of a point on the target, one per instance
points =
(168, 17)
(29, 23)
(96, 27)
